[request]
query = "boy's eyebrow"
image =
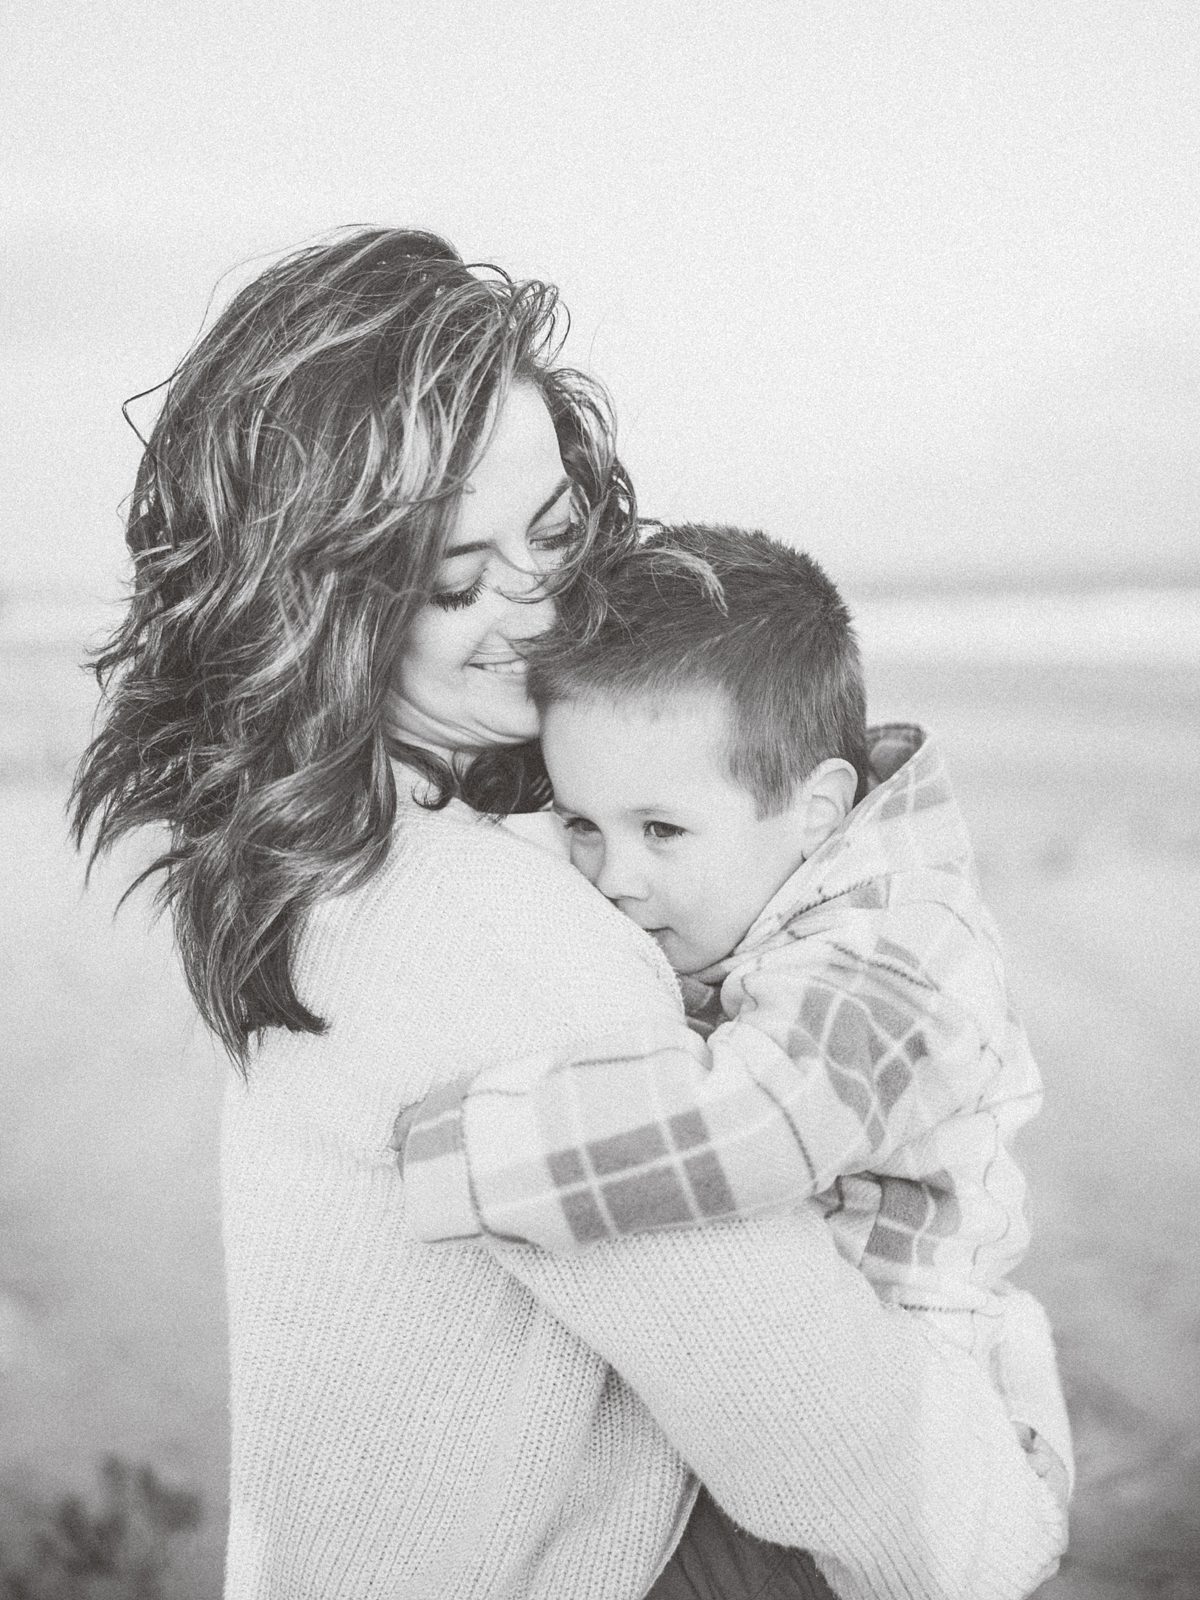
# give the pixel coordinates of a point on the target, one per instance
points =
(637, 811)
(476, 545)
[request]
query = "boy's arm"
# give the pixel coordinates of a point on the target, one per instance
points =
(831, 1064)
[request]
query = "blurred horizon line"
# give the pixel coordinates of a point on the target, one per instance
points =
(877, 585)
(1090, 621)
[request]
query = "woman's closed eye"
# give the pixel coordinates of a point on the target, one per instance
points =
(557, 538)
(456, 599)
(549, 543)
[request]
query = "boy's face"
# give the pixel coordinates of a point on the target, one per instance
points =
(658, 825)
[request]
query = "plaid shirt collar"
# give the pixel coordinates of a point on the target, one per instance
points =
(909, 821)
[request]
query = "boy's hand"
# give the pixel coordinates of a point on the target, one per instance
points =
(441, 1108)
(1045, 1463)
(702, 1005)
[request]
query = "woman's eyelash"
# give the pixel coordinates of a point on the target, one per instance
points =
(455, 599)
(559, 541)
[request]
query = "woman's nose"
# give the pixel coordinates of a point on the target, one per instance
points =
(529, 609)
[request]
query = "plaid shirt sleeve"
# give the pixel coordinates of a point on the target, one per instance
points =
(831, 1063)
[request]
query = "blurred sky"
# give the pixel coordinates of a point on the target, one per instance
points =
(912, 284)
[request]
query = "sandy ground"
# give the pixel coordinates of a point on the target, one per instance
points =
(1081, 788)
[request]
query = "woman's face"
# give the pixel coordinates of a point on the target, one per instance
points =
(460, 684)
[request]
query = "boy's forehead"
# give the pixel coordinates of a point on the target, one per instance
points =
(704, 707)
(700, 714)
(673, 737)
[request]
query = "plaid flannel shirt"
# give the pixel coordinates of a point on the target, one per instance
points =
(868, 1057)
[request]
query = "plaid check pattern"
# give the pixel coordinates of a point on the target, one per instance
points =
(868, 1057)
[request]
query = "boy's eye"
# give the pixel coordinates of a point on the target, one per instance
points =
(664, 830)
(578, 826)
(455, 599)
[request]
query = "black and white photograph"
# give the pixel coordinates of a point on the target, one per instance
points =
(599, 823)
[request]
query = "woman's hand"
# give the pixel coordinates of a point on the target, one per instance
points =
(1045, 1462)
(400, 1129)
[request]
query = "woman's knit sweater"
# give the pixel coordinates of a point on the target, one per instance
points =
(458, 1421)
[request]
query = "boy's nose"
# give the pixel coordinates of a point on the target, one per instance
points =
(619, 879)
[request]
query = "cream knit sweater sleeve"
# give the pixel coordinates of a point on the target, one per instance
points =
(816, 1417)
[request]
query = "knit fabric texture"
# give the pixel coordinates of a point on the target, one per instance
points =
(466, 1420)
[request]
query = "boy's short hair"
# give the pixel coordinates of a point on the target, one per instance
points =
(696, 606)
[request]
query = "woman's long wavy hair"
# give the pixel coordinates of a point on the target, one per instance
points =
(287, 523)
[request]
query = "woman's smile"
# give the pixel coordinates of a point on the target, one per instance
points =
(461, 681)
(502, 666)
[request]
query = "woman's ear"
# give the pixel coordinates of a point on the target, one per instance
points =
(827, 795)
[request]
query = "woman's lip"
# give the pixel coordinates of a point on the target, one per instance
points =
(505, 665)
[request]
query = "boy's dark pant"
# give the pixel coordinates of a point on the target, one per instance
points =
(715, 1560)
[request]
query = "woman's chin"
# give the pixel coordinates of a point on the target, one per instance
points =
(510, 716)
(500, 718)
(515, 725)
(525, 733)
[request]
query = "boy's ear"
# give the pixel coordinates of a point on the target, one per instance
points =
(829, 789)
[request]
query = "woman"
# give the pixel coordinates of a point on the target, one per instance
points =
(367, 489)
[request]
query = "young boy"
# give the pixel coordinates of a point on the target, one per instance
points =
(812, 885)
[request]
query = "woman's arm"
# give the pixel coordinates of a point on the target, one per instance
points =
(815, 1417)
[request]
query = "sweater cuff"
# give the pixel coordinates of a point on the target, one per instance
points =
(438, 1204)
